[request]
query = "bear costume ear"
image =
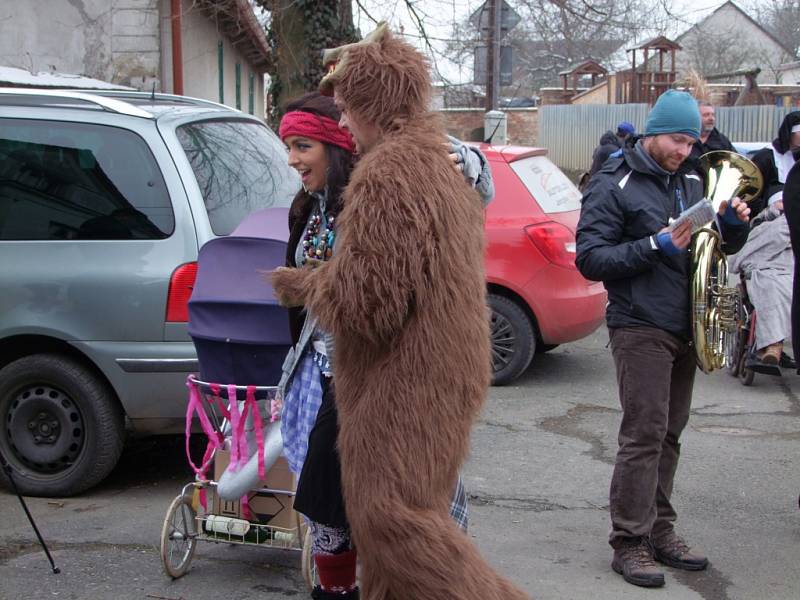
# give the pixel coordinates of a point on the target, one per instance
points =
(334, 60)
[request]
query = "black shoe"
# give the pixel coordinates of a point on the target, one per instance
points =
(671, 550)
(319, 594)
(787, 362)
(634, 561)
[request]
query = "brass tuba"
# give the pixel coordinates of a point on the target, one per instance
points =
(715, 305)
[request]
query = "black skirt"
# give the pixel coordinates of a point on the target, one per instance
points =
(319, 489)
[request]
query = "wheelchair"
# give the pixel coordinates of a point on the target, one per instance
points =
(742, 362)
(745, 340)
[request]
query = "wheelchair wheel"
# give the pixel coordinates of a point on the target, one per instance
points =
(746, 375)
(308, 566)
(178, 537)
(735, 360)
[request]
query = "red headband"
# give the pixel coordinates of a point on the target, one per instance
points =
(315, 127)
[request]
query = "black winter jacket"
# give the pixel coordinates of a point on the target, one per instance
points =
(627, 201)
(609, 143)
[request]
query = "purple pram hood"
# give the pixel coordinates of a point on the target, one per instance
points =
(240, 331)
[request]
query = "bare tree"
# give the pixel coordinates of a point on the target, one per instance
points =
(709, 51)
(556, 34)
(298, 31)
(553, 34)
(782, 19)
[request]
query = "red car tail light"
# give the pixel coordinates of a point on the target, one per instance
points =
(180, 289)
(555, 242)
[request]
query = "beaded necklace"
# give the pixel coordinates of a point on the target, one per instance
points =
(318, 242)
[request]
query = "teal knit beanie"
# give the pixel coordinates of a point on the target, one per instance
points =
(674, 112)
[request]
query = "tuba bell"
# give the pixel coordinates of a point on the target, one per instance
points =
(716, 307)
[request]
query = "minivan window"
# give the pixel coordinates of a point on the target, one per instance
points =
(240, 167)
(79, 181)
(553, 190)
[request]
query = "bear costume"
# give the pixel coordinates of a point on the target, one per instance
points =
(404, 297)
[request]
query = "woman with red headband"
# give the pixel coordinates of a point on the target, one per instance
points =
(323, 154)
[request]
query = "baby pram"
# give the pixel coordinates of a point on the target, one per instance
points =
(241, 336)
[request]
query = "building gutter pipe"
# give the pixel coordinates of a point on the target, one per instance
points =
(177, 47)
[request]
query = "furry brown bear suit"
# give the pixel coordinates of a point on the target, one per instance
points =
(404, 296)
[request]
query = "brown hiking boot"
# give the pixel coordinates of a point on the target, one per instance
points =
(672, 551)
(770, 355)
(634, 561)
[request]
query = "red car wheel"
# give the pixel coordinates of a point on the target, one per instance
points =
(513, 340)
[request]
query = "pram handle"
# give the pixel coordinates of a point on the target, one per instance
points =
(243, 388)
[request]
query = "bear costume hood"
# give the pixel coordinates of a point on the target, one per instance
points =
(382, 79)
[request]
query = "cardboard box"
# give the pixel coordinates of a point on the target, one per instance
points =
(276, 510)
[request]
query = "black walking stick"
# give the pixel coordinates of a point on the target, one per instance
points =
(10, 474)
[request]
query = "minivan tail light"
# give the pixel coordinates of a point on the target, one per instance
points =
(181, 285)
(555, 242)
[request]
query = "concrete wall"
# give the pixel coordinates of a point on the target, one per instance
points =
(599, 94)
(467, 124)
(111, 40)
(201, 38)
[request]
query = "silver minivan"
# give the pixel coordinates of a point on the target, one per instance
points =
(105, 199)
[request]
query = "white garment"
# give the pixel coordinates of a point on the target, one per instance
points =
(783, 163)
(768, 261)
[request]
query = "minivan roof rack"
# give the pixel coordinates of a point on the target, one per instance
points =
(105, 103)
(143, 97)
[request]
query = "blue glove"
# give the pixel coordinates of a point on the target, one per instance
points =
(664, 243)
(729, 217)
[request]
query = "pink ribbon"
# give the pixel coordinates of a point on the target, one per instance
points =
(250, 400)
(215, 389)
(215, 439)
(246, 512)
(238, 442)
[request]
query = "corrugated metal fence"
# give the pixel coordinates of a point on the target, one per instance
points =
(571, 132)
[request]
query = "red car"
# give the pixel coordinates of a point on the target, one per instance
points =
(538, 298)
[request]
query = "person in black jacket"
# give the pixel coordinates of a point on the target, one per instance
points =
(610, 142)
(791, 203)
(710, 138)
(775, 162)
(624, 240)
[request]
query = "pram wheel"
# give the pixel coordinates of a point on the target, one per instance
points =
(178, 537)
(307, 564)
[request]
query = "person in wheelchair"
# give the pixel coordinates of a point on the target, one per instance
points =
(766, 265)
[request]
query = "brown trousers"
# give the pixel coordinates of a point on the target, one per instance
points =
(655, 373)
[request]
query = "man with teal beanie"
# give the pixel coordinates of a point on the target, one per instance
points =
(624, 240)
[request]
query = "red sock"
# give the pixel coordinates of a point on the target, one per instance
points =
(337, 572)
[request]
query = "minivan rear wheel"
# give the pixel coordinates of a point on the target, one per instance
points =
(62, 429)
(513, 339)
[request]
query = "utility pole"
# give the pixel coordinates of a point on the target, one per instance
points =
(493, 55)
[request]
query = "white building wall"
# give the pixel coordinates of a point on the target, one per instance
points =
(201, 38)
(790, 74)
(127, 42)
